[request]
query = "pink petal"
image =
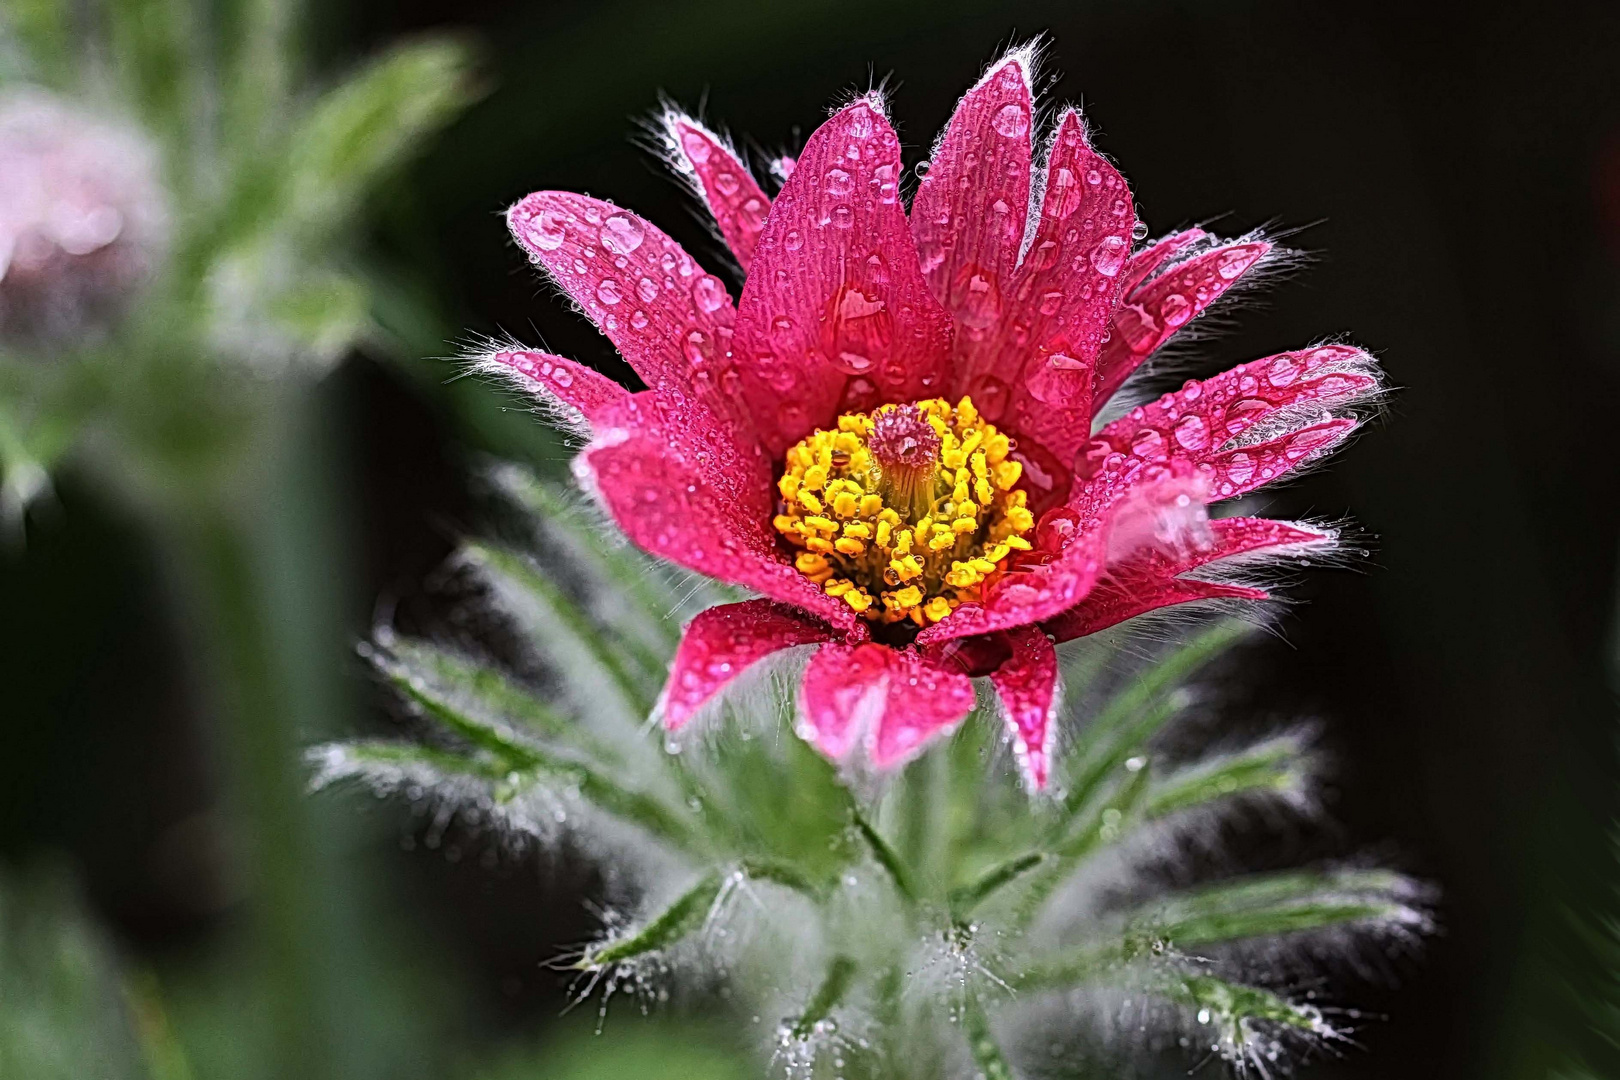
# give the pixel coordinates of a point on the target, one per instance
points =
(1114, 501)
(1145, 263)
(1027, 683)
(835, 295)
(886, 702)
(1153, 581)
(729, 190)
(723, 642)
(1247, 426)
(668, 318)
(1029, 596)
(572, 389)
(1032, 373)
(1150, 314)
(969, 213)
(668, 474)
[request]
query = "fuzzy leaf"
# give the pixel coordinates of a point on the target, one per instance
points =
(482, 694)
(684, 915)
(964, 898)
(597, 679)
(981, 1040)
(369, 124)
(836, 983)
(1274, 904)
(1275, 765)
(886, 856)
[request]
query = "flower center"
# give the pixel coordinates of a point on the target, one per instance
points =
(904, 511)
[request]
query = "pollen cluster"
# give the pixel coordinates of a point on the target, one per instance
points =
(904, 512)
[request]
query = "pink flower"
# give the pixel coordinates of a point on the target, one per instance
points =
(83, 216)
(889, 435)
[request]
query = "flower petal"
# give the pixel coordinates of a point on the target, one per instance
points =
(668, 474)
(835, 312)
(571, 390)
(1117, 511)
(728, 188)
(886, 702)
(1145, 263)
(1153, 580)
(668, 318)
(1151, 313)
(723, 642)
(1032, 372)
(1250, 425)
(969, 213)
(1027, 683)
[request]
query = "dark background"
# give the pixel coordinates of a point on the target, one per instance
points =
(1458, 167)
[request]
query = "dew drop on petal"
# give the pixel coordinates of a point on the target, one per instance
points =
(727, 183)
(1148, 444)
(1174, 309)
(709, 294)
(621, 234)
(838, 182)
(1283, 371)
(647, 289)
(1012, 121)
(609, 292)
(1192, 433)
(794, 240)
(1109, 255)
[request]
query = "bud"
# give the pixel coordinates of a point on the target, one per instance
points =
(83, 217)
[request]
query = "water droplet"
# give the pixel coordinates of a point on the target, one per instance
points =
(1283, 371)
(1148, 444)
(978, 297)
(857, 330)
(794, 240)
(887, 183)
(621, 234)
(727, 183)
(1063, 194)
(843, 217)
(1090, 461)
(1234, 263)
(608, 292)
(838, 182)
(990, 395)
(1174, 310)
(548, 233)
(696, 146)
(1240, 467)
(1043, 256)
(861, 123)
(639, 319)
(1192, 433)
(1109, 255)
(709, 294)
(1012, 121)
(647, 289)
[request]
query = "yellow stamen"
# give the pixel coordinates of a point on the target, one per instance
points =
(914, 505)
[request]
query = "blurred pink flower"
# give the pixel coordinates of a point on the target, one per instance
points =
(83, 216)
(889, 436)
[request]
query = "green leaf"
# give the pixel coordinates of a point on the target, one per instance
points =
(588, 664)
(620, 566)
(1136, 713)
(1276, 765)
(158, 52)
(965, 898)
(369, 124)
(482, 692)
(680, 918)
(885, 855)
(1268, 905)
(981, 1040)
(840, 975)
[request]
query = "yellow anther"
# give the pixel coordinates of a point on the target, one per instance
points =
(942, 540)
(1018, 543)
(871, 505)
(838, 586)
(858, 529)
(1007, 474)
(845, 505)
(810, 502)
(1020, 519)
(816, 543)
(826, 525)
(849, 546)
(884, 530)
(908, 597)
(816, 475)
(937, 608)
(963, 525)
(808, 562)
(788, 485)
(858, 600)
